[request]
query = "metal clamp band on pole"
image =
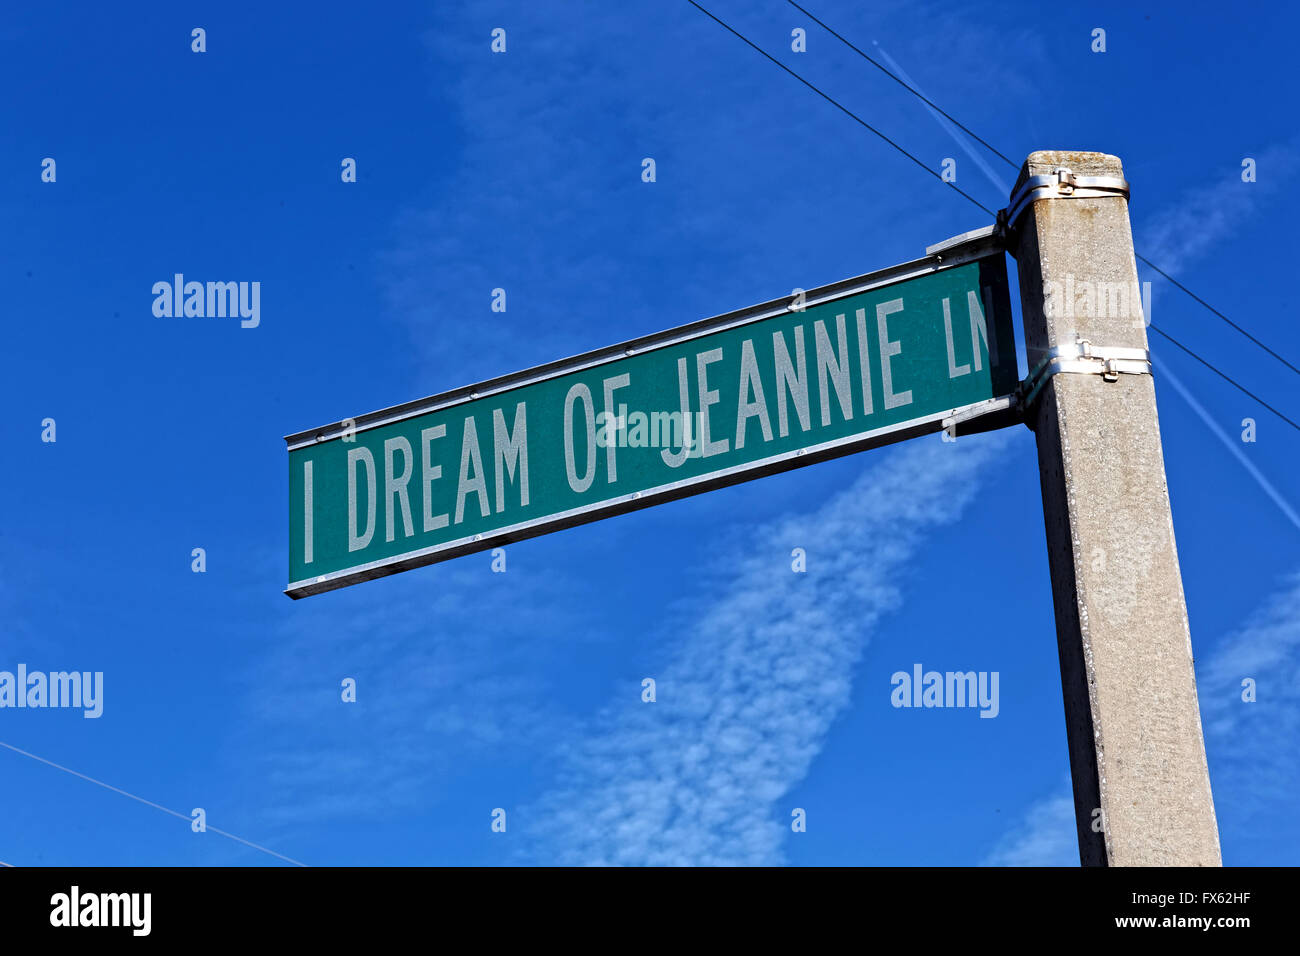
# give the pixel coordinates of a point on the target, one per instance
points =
(1061, 183)
(1082, 357)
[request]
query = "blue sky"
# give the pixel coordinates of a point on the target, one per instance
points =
(522, 170)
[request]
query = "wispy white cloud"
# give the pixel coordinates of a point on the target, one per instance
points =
(1254, 765)
(1044, 837)
(544, 196)
(441, 680)
(546, 200)
(761, 666)
(1186, 229)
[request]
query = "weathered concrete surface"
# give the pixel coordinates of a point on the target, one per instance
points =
(1136, 747)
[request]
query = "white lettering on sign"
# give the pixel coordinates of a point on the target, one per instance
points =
(486, 449)
(579, 393)
(708, 397)
(510, 452)
(429, 473)
(363, 457)
(395, 487)
(471, 459)
(888, 350)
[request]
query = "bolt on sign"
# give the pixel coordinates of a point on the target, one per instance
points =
(864, 362)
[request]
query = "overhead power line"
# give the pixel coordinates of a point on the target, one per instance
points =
(915, 92)
(1223, 375)
(1217, 312)
(147, 803)
(854, 116)
(842, 108)
(1014, 165)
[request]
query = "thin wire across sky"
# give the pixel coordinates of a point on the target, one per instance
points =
(860, 121)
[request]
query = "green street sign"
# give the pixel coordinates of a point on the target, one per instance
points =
(864, 362)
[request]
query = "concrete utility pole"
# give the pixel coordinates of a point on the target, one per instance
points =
(1137, 754)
